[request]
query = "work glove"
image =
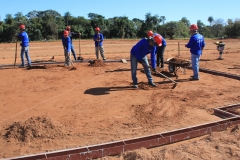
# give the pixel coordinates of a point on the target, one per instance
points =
(140, 61)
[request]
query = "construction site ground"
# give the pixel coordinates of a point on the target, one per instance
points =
(52, 108)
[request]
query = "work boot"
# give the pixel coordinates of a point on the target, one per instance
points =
(152, 84)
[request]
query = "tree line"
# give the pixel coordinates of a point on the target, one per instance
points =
(50, 25)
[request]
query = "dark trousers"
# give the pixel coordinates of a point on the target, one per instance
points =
(160, 56)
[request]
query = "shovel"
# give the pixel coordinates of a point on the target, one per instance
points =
(15, 54)
(79, 58)
(175, 83)
(73, 68)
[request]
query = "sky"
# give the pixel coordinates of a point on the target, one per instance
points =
(173, 10)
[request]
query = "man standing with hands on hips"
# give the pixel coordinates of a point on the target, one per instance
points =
(196, 45)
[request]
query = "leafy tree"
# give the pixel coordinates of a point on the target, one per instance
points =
(233, 30)
(200, 26)
(171, 28)
(218, 28)
(137, 23)
(148, 21)
(182, 30)
(185, 21)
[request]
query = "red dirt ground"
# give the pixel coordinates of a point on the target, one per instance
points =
(49, 107)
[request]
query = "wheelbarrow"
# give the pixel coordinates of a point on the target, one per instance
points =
(174, 64)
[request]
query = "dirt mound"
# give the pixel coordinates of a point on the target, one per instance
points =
(178, 61)
(34, 128)
(96, 63)
(142, 153)
(144, 86)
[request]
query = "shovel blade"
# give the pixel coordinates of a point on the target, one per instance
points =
(124, 60)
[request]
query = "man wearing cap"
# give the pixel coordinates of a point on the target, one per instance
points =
(25, 45)
(196, 45)
(98, 39)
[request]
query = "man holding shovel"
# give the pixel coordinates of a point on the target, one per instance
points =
(25, 45)
(98, 38)
(70, 34)
(66, 41)
(138, 54)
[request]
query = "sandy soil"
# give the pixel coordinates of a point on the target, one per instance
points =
(50, 107)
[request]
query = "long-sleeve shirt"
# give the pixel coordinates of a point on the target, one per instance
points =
(99, 37)
(143, 48)
(196, 44)
(24, 38)
(66, 41)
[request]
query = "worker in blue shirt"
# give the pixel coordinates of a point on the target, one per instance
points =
(196, 45)
(66, 41)
(160, 50)
(70, 35)
(25, 45)
(138, 54)
(98, 39)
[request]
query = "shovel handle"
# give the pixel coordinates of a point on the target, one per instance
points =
(15, 55)
(160, 73)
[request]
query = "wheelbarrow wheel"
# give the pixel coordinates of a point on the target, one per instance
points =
(171, 68)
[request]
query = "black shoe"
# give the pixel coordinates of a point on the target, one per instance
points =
(152, 84)
(194, 79)
(22, 66)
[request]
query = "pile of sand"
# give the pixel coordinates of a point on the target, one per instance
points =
(34, 128)
(96, 63)
(178, 61)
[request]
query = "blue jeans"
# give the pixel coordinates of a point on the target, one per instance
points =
(195, 65)
(73, 52)
(25, 50)
(134, 63)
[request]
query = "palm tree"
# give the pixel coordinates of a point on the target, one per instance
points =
(67, 16)
(163, 19)
(155, 21)
(210, 20)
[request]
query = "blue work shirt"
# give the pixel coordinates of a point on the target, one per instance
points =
(196, 44)
(164, 43)
(100, 37)
(24, 38)
(143, 48)
(66, 41)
